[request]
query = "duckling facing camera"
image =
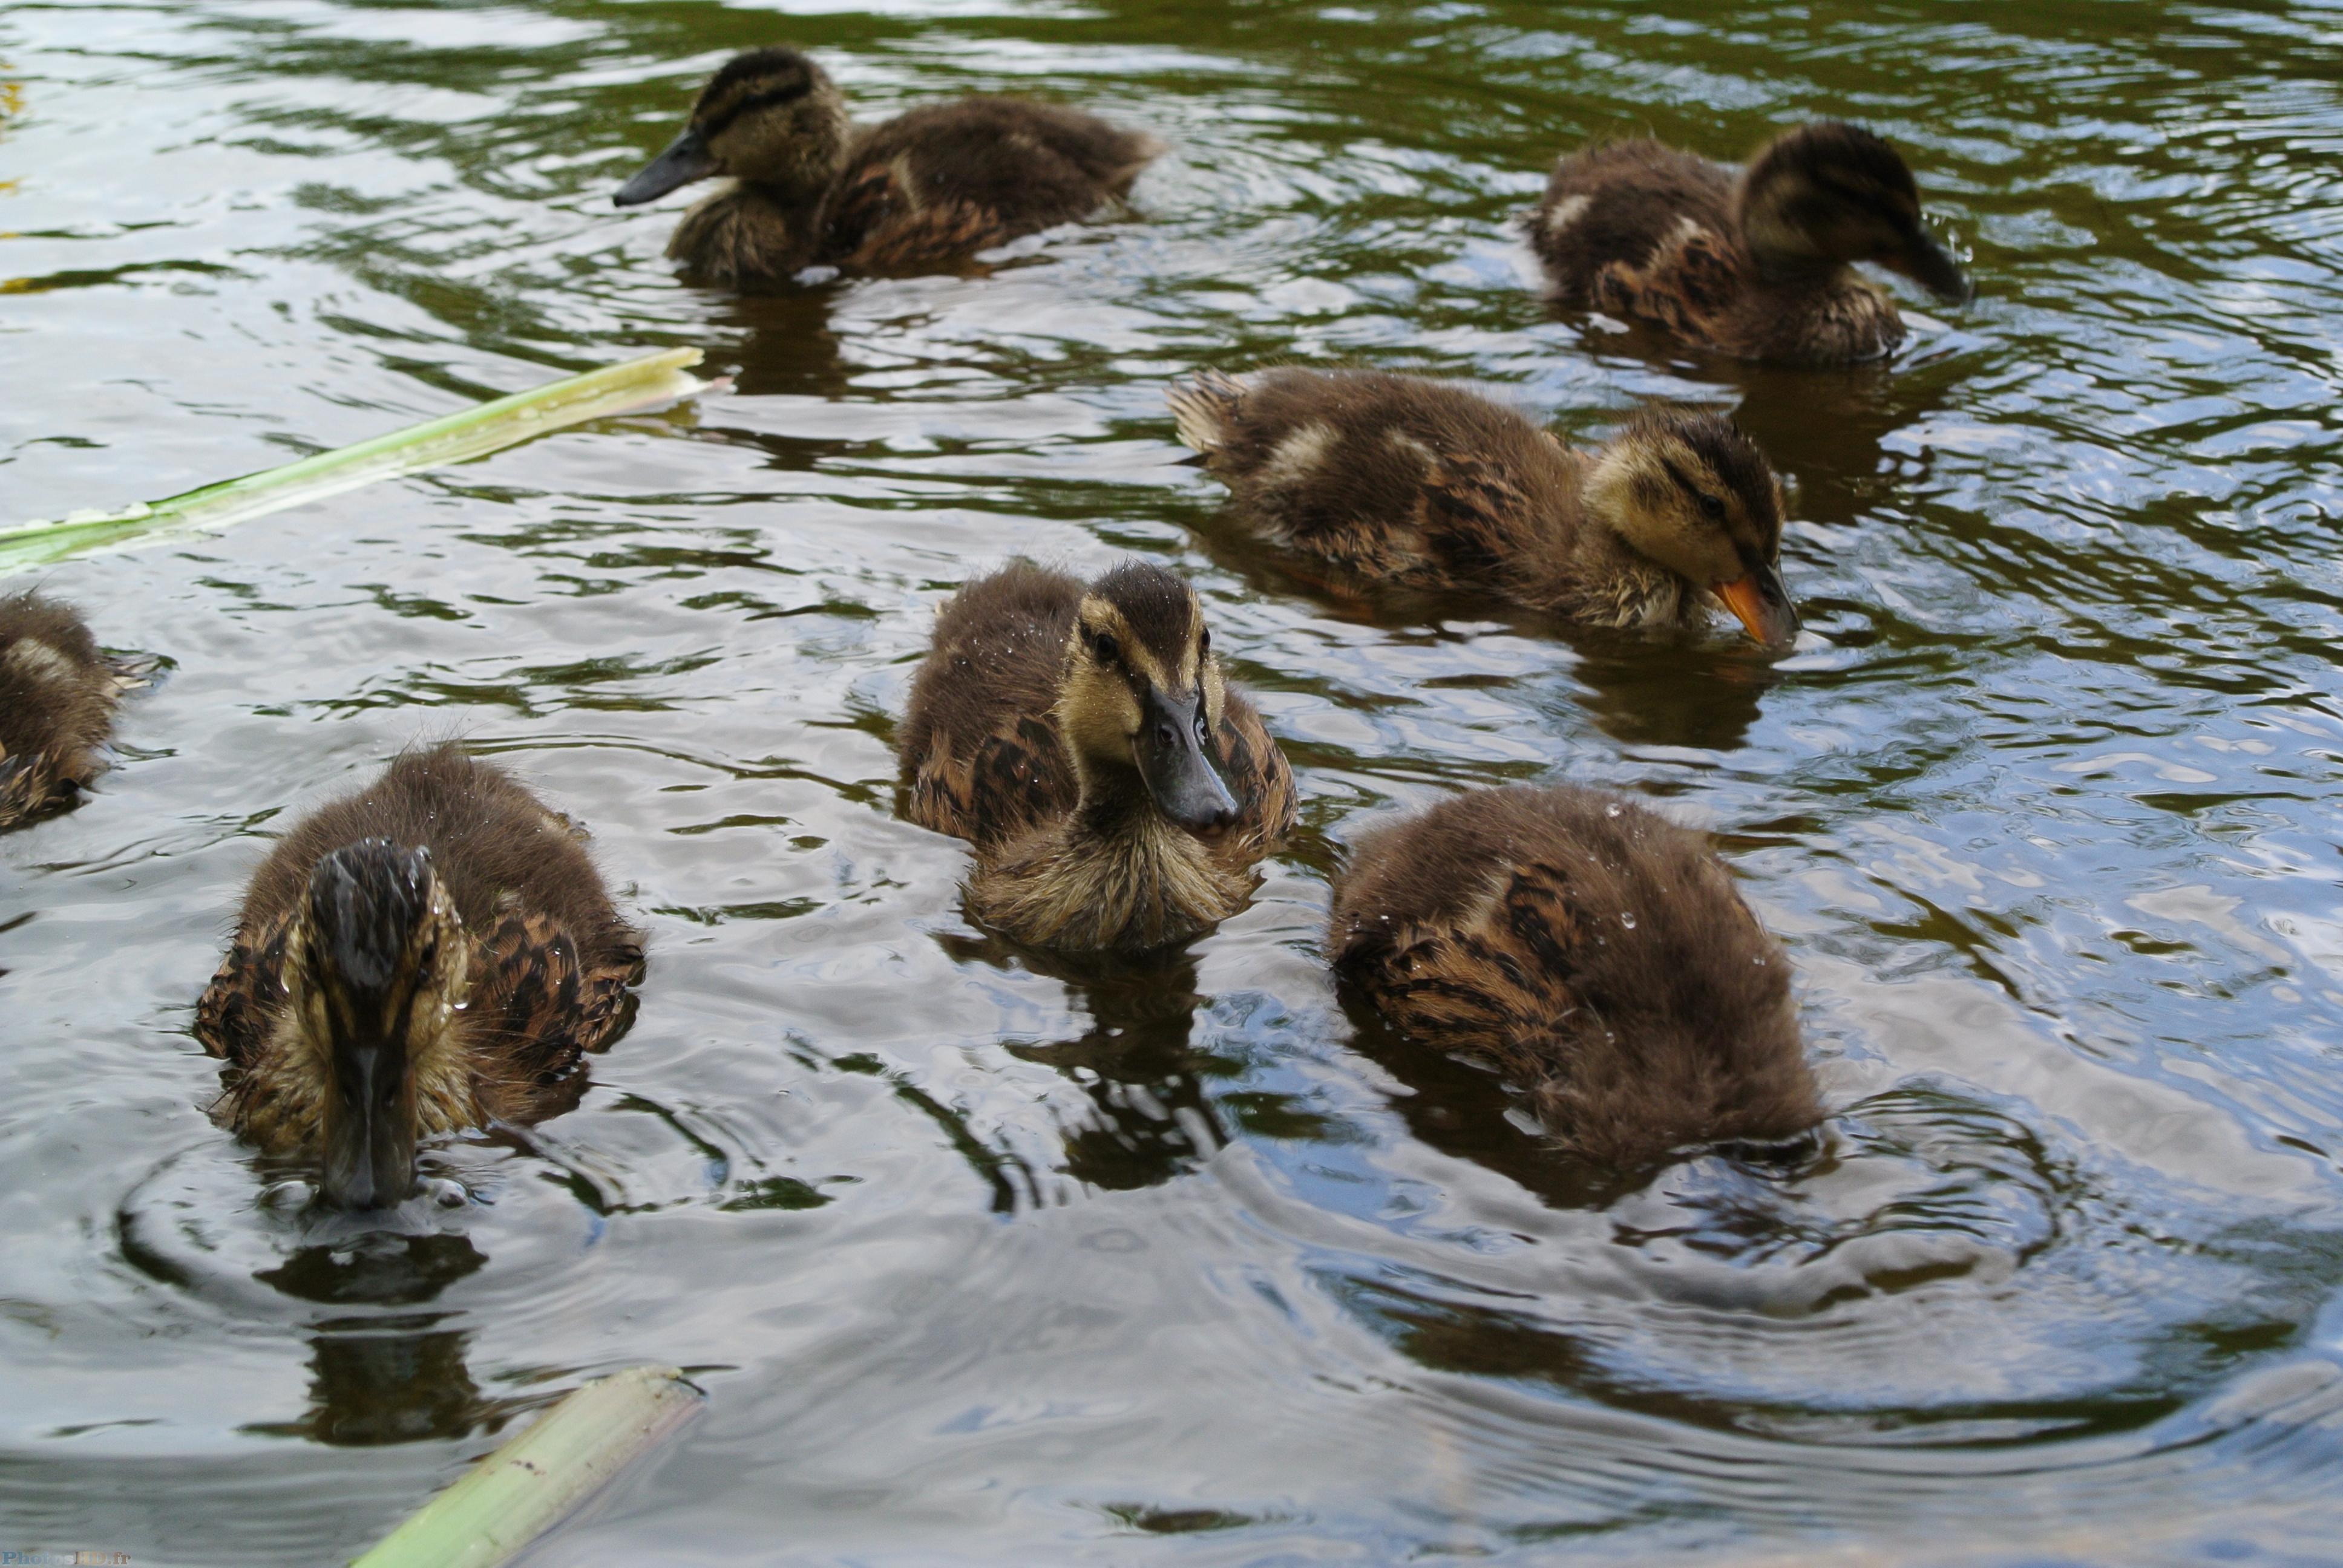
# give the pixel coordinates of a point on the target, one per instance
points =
(432, 954)
(1595, 954)
(1758, 263)
(922, 191)
(58, 698)
(1118, 790)
(1414, 482)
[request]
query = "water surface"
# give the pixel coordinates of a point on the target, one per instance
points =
(982, 1261)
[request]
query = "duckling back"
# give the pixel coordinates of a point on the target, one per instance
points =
(1593, 953)
(57, 697)
(1397, 478)
(947, 180)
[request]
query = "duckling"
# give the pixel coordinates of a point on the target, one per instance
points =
(431, 953)
(1117, 789)
(58, 698)
(1592, 953)
(1757, 264)
(918, 193)
(1411, 481)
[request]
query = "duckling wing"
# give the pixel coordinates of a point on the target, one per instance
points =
(1258, 775)
(26, 788)
(944, 182)
(1483, 975)
(235, 1013)
(1010, 780)
(1640, 229)
(542, 998)
(981, 752)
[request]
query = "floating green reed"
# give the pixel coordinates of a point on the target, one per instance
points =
(474, 432)
(525, 1488)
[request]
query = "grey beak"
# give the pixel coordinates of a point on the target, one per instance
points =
(1932, 266)
(371, 1165)
(1180, 778)
(687, 159)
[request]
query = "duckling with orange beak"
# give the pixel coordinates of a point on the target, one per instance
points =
(1416, 483)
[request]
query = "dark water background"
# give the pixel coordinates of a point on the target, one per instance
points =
(985, 1265)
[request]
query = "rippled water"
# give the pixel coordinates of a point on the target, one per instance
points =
(989, 1265)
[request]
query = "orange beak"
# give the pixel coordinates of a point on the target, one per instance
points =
(1760, 602)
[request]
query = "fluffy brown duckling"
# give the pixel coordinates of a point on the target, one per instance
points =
(1119, 791)
(922, 191)
(1757, 264)
(58, 698)
(1595, 954)
(1416, 482)
(430, 953)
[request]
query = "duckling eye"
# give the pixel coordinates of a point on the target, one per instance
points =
(1710, 506)
(1203, 642)
(1103, 647)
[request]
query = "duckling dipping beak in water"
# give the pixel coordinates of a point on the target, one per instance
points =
(353, 1016)
(1692, 494)
(374, 974)
(1428, 484)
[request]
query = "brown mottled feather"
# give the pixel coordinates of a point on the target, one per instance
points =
(1595, 954)
(945, 181)
(1648, 232)
(982, 757)
(551, 960)
(986, 758)
(57, 697)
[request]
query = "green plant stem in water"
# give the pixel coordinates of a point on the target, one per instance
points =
(528, 1486)
(614, 390)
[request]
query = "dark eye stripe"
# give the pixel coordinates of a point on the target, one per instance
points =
(1678, 476)
(789, 93)
(1714, 507)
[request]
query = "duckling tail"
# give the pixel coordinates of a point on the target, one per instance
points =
(1204, 410)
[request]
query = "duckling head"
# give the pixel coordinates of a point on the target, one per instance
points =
(373, 971)
(1832, 193)
(1143, 695)
(1691, 493)
(769, 118)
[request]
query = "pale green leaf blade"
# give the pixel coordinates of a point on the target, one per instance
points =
(474, 432)
(525, 1488)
